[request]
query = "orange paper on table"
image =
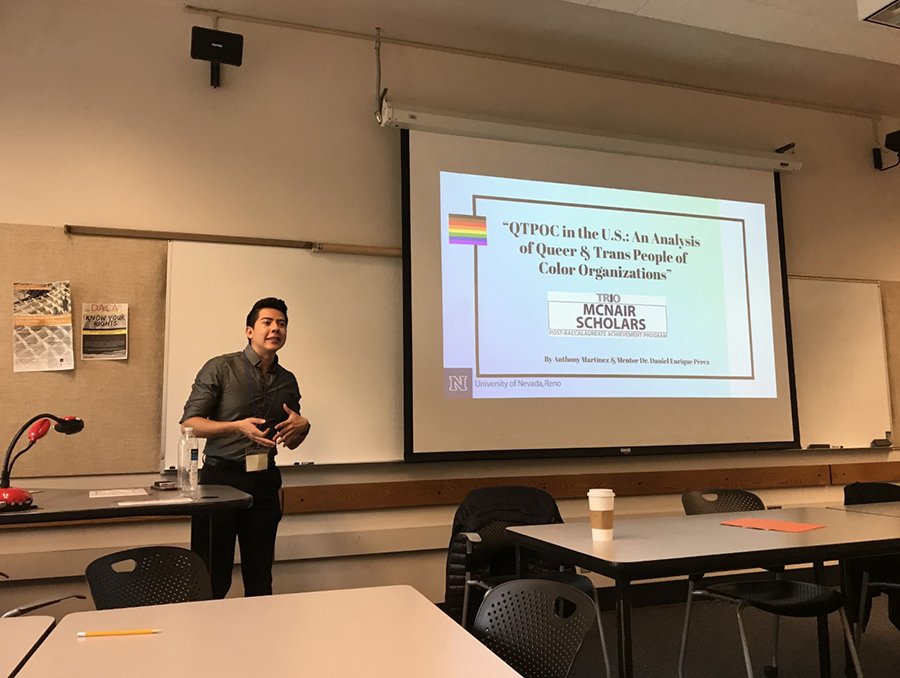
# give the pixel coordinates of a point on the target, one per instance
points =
(773, 525)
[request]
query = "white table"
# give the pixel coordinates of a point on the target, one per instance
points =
(390, 631)
(18, 637)
(645, 548)
(883, 508)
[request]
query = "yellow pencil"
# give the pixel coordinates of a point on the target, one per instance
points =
(129, 632)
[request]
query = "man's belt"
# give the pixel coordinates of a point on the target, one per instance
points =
(230, 464)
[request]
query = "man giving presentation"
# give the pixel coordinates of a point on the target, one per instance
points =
(246, 404)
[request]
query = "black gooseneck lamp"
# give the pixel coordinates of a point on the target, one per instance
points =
(12, 498)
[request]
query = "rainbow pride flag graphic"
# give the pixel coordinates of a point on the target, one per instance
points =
(467, 230)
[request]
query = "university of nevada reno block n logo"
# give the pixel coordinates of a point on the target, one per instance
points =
(458, 382)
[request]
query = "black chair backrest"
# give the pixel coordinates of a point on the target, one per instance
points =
(535, 626)
(870, 493)
(489, 511)
(515, 505)
(152, 575)
(720, 501)
(880, 568)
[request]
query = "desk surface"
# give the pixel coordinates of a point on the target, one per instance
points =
(18, 637)
(676, 545)
(388, 631)
(59, 505)
(885, 508)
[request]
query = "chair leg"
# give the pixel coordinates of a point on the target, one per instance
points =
(602, 635)
(465, 608)
(861, 611)
(854, 656)
(740, 619)
(687, 624)
(771, 671)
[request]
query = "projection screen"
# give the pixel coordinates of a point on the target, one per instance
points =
(564, 302)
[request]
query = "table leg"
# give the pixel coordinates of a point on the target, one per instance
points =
(201, 536)
(623, 616)
(822, 624)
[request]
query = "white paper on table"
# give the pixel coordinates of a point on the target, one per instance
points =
(134, 492)
(155, 502)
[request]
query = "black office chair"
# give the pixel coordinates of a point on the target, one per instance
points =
(481, 555)
(698, 502)
(779, 597)
(867, 578)
(536, 626)
(152, 575)
(36, 605)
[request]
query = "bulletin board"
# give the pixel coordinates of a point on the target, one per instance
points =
(118, 399)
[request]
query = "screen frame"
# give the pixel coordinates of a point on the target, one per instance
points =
(409, 455)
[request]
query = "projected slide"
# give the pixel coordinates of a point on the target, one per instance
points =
(556, 290)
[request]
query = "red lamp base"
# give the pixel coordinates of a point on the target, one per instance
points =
(14, 498)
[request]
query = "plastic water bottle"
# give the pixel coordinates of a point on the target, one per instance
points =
(188, 460)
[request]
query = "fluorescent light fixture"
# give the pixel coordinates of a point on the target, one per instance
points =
(486, 128)
(879, 12)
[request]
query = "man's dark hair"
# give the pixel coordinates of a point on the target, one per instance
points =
(268, 302)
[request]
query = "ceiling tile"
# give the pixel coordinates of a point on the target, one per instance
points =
(766, 21)
(838, 10)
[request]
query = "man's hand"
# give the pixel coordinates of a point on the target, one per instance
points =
(293, 430)
(249, 428)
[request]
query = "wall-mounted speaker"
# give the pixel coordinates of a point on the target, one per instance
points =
(216, 46)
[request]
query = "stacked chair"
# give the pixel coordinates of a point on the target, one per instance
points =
(870, 577)
(481, 556)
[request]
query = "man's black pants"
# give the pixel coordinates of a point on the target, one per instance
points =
(254, 528)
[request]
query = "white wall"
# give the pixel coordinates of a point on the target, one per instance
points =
(106, 121)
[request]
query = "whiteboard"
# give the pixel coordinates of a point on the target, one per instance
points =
(344, 340)
(839, 361)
